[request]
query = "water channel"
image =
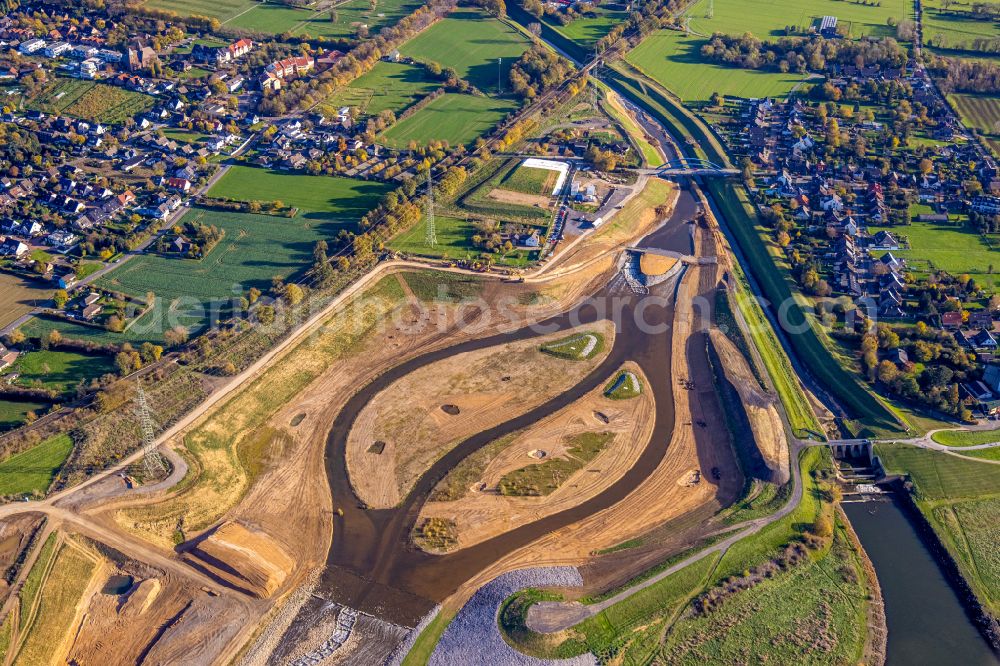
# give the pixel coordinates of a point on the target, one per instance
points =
(927, 621)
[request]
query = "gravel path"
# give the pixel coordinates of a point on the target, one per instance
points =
(473, 637)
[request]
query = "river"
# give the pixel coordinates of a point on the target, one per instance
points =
(927, 622)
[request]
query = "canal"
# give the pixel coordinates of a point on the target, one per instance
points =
(927, 622)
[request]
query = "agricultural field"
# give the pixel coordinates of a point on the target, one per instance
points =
(470, 41)
(220, 9)
(91, 101)
(13, 414)
(981, 113)
(321, 199)
(59, 371)
(951, 247)
(255, 249)
(674, 60)
(960, 498)
(767, 19)
(455, 118)
(392, 86)
(955, 29)
(18, 297)
(587, 30)
(33, 470)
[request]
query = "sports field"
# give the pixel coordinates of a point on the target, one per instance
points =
(59, 371)
(452, 117)
(471, 42)
(387, 86)
(768, 18)
(32, 470)
(320, 198)
(91, 101)
(674, 60)
(531, 180)
(951, 247)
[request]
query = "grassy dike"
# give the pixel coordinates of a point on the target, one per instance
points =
(818, 589)
(777, 286)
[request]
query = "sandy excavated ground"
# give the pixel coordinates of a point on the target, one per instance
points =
(655, 264)
(483, 514)
(665, 495)
(245, 558)
(520, 198)
(765, 421)
(488, 386)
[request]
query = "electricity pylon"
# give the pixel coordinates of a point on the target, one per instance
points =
(150, 457)
(431, 230)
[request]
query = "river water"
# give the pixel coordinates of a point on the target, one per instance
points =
(927, 622)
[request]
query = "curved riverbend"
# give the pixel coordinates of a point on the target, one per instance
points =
(373, 567)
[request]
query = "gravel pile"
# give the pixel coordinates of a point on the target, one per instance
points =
(473, 637)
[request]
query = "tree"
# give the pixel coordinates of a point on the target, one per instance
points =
(55, 337)
(887, 372)
(176, 336)
(294, 294)
(265, 315)
(823, 526)
(60, 298)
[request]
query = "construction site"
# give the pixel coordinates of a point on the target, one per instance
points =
(401, 452)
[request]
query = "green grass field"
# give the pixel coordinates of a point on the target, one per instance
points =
(255, 249)
(456, 118)
(951, 247)
(579, 347)
(530, 180)
(586, 31)
(350, 14)
(966, 438)
(33, 470)
(91, 101)
(470, 41)
(220, 9)
(624, 385)
(955, 28)
(675, 61)
(387, 86)
(938, 475)
(961, 499)
(13, 413)
(454, 241)
(59, 371)
(320, 198)
(768, 18)
(785, 618)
